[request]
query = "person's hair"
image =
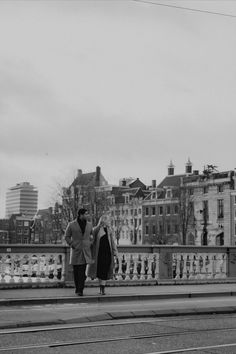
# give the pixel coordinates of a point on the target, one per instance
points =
(82, 211)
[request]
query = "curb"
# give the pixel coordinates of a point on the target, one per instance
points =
(110, 298)
(125, 315)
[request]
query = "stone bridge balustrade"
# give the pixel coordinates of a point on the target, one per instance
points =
(29, 264)
(49, 264)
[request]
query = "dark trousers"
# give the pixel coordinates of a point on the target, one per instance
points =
(79, 276)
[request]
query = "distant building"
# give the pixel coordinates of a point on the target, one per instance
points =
(125, 211)
(85, 191)
(22, 199)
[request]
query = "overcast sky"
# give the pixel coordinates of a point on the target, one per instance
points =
(121, 84)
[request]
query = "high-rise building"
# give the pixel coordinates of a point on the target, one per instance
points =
(22, 199)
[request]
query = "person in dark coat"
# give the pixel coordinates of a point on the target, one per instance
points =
(79, 236)
(103, 250)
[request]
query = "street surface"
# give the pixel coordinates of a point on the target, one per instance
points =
(209, 334)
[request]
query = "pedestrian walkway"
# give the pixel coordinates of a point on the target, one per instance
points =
(11, 299)
(116, 293)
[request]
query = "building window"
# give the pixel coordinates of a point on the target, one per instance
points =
(160, 228)
(153, 211)
(220, 208)
(135, 212)
(140, 211)
(220, 188)
(205, 189)
(146, 211)
(168, 210)
(146, 230)
(168, 193)
(160, 210)
(168, 228)
(131, 211)
(235, 229)
(154, 195)
(154, 229)
(235, 199)
(205, 208)
(140, 221)
(176, 209)
(191, 191)
(19, 231)
(176, 229)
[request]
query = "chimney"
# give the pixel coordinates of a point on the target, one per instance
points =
(98, 175)
(171, 169)
(188, 167)
(154, 183)
(79, 173)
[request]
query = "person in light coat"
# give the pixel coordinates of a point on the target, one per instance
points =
(103, 252)
(79, 236)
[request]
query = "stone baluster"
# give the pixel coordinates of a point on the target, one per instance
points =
(149, 272)
(120, 257)
(157, 268)
(29, 268)
(204, 271)
(55, 268)
(2, 269)
(12, 280)
(127, 273)
(38, 270)
(21, 259)
(142, 276)
(63, 269)
(193, 265)
(177, 260)
(135, 259)
(214, 265)
(207, 266)
(46, 272)
(184, 265)
(218, 265)
(224, 266)
(198, 270)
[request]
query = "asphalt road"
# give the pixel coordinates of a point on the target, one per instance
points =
(198, 334)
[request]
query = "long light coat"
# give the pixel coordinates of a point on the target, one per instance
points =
(92, 269)
(80, 252)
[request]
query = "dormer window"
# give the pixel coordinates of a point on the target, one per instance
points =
(154, 195)
(126, 198)
(169, 193)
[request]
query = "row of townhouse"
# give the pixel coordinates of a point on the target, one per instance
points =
(188, 208)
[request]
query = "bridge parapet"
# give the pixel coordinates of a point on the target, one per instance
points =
(48, 265)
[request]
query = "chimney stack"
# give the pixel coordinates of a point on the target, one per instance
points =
(98, 175)
(154, 183)
(171, 169)
(188, 167)
(79, 173)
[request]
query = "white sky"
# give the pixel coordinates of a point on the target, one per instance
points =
(120, 84)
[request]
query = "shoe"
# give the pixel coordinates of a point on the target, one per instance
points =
(102, 290)
(80, 292)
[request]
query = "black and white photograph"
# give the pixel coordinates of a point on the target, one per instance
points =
(118, 176)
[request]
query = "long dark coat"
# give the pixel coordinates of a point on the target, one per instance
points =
(92, 269)
(80, 252)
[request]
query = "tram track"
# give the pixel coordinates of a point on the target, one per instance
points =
(117, 339)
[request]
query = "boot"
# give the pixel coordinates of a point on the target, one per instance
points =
(102, 290)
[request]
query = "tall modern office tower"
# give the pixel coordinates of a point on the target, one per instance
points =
(22, 198)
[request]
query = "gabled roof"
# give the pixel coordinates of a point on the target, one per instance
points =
(171, 181)
(84, 179)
